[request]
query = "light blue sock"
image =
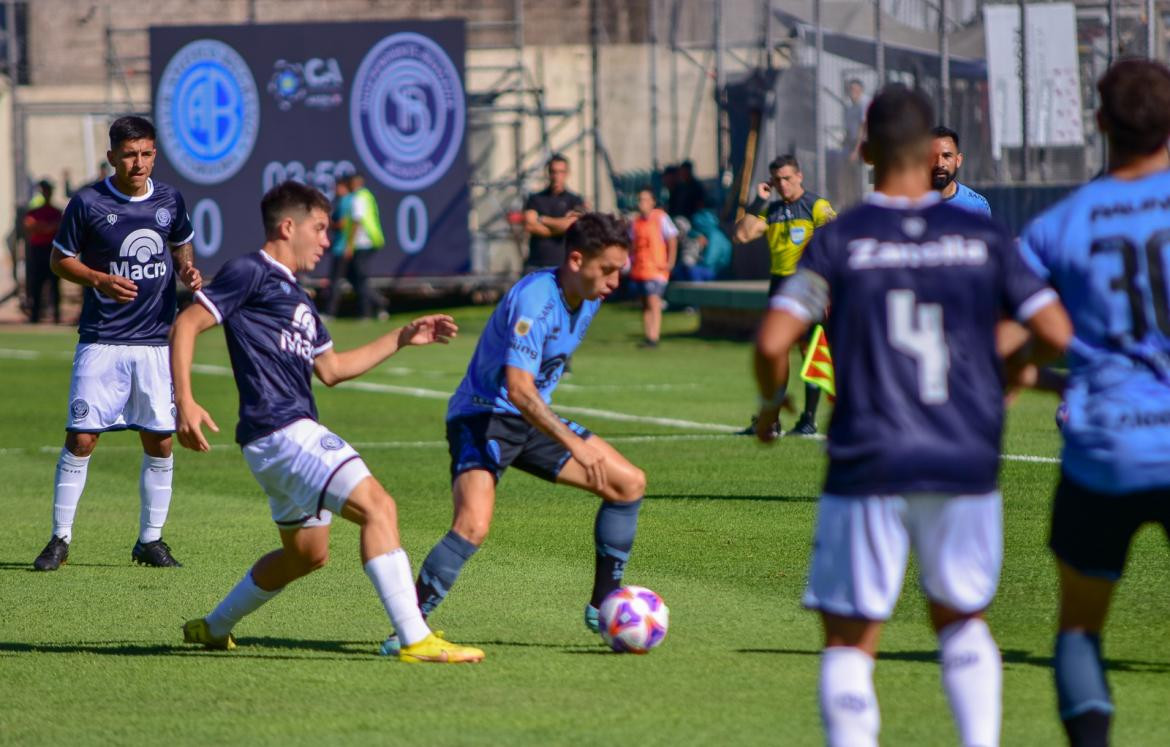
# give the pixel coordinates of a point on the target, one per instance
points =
(1080, 675)
(440, 570)
(613, 533)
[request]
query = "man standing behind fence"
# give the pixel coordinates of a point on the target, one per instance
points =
(548, 214)
(40, 226)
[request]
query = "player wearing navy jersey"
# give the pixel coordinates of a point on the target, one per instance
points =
(948, 159)
(124, 239)
(917, 288)
(277, 342)
(1106, 250)
(501, 414)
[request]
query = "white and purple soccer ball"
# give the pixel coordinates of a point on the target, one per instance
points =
(633, 620)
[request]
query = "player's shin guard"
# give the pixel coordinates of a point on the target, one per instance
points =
(441, 568)
(390, 574)
(245, 598)
(849, 707)
(972, 676)
(154, 491)
(1081, 689)
(613, 534)
(67, 489)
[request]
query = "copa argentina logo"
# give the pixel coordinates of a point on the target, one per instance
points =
(407, 111)
(316, 83)
(208, 111)
(141, 256)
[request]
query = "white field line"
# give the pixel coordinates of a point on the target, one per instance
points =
(712, 430)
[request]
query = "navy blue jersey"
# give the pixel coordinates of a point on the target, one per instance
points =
(916, 291)
(532, 329)
(1106, 250)
(128, 236)
(273, 334)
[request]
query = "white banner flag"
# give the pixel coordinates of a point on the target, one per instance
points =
(1055, 116)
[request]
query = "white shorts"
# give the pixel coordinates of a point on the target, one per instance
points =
(115, 387)
(862, 544)
(307, 472)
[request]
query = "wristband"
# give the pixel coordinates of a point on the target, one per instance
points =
(756, 206)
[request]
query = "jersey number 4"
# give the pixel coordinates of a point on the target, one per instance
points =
(916, 329)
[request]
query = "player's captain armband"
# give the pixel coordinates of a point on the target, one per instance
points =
(804, 295)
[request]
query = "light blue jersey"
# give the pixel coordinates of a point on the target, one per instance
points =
(1106, 250)
(532, 329)
(968, 199)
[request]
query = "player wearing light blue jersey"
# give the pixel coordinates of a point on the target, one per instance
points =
(1106, 250)
(124, 240)
(500, 415)
(947, 162)
(277, 343)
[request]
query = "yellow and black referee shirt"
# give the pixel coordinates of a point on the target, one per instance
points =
(791, 226)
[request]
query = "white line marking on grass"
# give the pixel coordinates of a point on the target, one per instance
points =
(434, 394)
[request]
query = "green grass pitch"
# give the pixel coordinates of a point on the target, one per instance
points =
(92, 653)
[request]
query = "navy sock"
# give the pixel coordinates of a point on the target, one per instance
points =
(1081, 689)
(812, 397)
(613, 534)
(440, 570)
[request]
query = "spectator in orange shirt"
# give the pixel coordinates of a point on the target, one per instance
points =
(40, 226)
(653, 249)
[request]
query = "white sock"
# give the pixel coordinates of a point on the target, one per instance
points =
(390, 574)
(242, 600)
(972, 675)
(849, 707)
(154, 491)
(67, 489)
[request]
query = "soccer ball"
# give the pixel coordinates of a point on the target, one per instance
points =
(633, 620)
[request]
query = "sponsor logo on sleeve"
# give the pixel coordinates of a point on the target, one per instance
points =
(523, 326)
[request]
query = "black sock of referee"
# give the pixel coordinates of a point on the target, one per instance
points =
(812, 397)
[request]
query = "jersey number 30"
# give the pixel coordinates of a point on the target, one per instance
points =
(917, 330)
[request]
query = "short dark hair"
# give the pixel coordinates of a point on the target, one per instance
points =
(555, 157)
(780, 162)
(593, 232)
(898, 120)
(944, 131)
(648, 188)
(854, 82)
(130, 128)
(1135, 105)
(287, 197)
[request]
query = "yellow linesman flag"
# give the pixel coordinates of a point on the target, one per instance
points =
(818, 363)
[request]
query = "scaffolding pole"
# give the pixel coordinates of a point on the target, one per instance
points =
(595, 94)
(818, 98)
(944, 61)
(19, 168)
(879, 47)
(1152, 29)
(653, 23)
(1024, 155)
(720, 81)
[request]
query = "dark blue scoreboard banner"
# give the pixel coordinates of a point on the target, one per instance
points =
(242, 108)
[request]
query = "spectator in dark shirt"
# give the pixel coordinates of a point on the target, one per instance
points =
(687, 196)
(548, 214)
(40, 226)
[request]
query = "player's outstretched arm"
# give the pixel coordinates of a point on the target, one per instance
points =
(190, 417)
(523, 393)
(332, 367)
(780, 330)
(122, 290)
(184, 257)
